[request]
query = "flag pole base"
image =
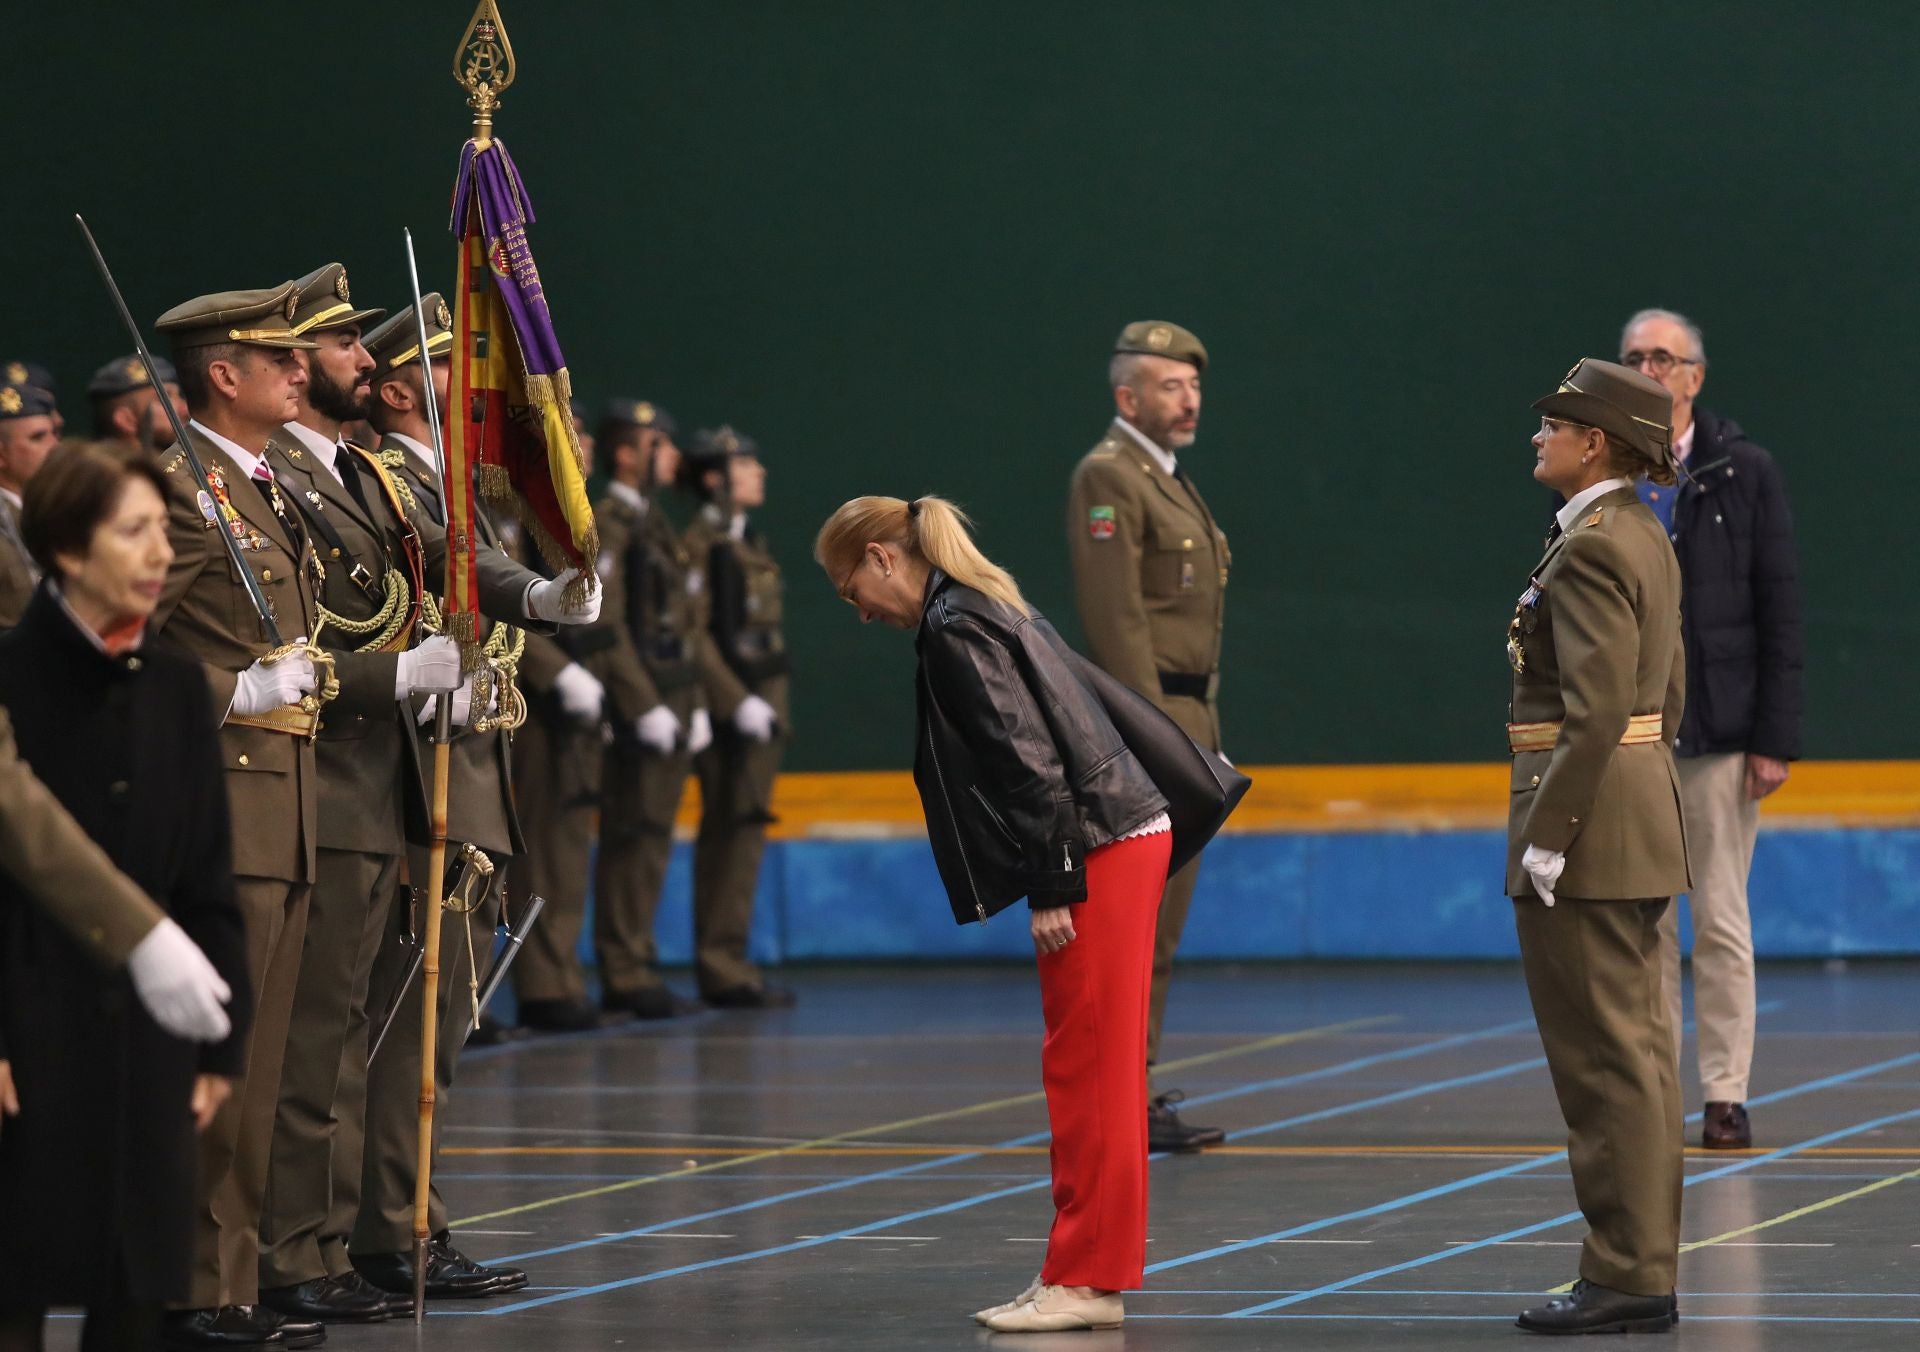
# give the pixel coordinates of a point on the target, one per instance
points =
(419, 1280)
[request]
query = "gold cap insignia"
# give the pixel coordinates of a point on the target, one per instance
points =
(442, 315)
(10, 401)
(293, 305)
(16, 373)
(340, 287)
(643, 413)
(727, 440)
(135, 371)
(1159, 336)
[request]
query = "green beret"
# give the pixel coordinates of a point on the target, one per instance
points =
(396, 342)
(24, 401)
(325, 302)
(1158, 338)
(262, 318)
(124, 375)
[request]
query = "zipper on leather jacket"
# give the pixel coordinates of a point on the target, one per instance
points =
(959, 843)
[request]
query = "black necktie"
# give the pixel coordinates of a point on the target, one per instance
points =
(349, 466)
(1553, 533)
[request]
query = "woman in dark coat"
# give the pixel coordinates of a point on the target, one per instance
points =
(1032, 789)
(97, 1157)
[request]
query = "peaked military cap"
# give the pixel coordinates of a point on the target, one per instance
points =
(325, 302)
(262, 318)
(642, 413)
(124, 375)
(1157, 338)
(1618, 400)
(24, 401)
(397, 341)
(27, 373)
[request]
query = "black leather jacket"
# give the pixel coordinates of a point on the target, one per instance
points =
(1020, 770)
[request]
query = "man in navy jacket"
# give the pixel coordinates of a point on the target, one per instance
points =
(1741, 621)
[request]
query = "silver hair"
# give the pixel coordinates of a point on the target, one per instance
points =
(1693, 329)
(1124, 369)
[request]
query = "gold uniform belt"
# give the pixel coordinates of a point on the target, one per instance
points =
(1641, 729)
(287, 718)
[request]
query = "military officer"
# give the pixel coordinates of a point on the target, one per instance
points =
(27, 438)
(1596, 848)
(652, 631)
(127, 409)
(1150, 576)
(480, 813)
(34, 375)
(241, 380)
(744, 674)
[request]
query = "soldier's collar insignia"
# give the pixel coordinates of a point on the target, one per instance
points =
(10, 401)
(340, 287)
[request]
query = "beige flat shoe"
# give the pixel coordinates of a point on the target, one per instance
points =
(1033, 1289)
(1054, 1309)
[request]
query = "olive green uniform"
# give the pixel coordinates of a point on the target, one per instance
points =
(18, 576)
(1595, 642)
(747, 656)
(1150, 578)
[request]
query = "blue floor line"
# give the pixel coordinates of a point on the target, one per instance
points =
(1507, 1319)
(1421, 1291)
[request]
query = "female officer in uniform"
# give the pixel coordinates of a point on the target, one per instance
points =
(1596, 849)
(744, 672)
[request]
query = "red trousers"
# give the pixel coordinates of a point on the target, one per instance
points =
(1094, 1064)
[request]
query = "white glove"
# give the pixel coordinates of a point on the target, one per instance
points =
(261, 687)
(580, 691)
(699, 732)
(179, 987)
(658, 728)
(755, 718)
(1543, 868)
(544, 600)
(462, 706)
(434, 665)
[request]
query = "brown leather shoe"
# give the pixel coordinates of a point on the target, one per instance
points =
(1726, 1127)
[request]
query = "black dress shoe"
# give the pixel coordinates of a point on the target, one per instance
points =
(229, 1326)
(490, 1032)
(1726, 1127)
(561, 1016)
(1167, 1134)
(399, 1306)
(648, 1002)
(753, 997)
(1591, 1308)
(451, 1275)
(295, 1330)
(440, 1250)
(327, 1299)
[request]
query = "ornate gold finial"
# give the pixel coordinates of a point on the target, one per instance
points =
(483, 66)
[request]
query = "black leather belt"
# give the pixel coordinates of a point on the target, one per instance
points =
(665, 648)
(336, 547)
(1191, 684)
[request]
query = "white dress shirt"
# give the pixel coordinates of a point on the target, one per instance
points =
(245, 459)
(1161, 455)
(326, 452)
(1585, 498)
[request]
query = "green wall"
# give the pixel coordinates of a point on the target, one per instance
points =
(894, 240)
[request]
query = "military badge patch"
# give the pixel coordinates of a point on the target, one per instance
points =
(1101, 523)
(207, 509)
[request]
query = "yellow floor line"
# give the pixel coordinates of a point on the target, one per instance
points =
(887, 1128)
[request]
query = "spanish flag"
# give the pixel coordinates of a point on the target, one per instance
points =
(510, 424)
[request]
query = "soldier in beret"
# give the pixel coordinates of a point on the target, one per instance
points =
(126, 408)
(34, 375)
(1150, 576)
(27, 437)
(744, 673)
(1596, 847)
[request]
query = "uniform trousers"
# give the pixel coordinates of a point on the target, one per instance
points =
(1093, 993)
(736, 788)
(1593, 972)
(556, 781)
(639, 795)
(392, 1153)
(1722, 824)
(323, 1087)
(1200, 721)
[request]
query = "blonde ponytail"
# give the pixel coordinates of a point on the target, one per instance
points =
(928, 528)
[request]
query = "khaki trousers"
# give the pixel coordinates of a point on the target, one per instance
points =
(639, 795)
(1593, 972)
(390, 1165)
(1722, 823)
(556, 781)
(323, 1086)
(1200, 721)
(736, 789)
(236, 1146)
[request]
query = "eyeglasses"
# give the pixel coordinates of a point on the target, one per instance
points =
(1548, 426)
(1661, 360)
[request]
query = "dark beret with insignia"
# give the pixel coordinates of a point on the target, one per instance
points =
(712, 448)
(24, 401)
(326, 303)
(124, 375)
(262, 318)
(1158, 338)
(642, 413)
(395, 342)
(27, 373)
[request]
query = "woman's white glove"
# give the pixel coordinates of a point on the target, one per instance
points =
(755, 718)
(261, 688)
(177, 984)
(658, 728)
(546, 600)
(1543, 869)
(580, 691)
(433, 666)
(699, 732)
